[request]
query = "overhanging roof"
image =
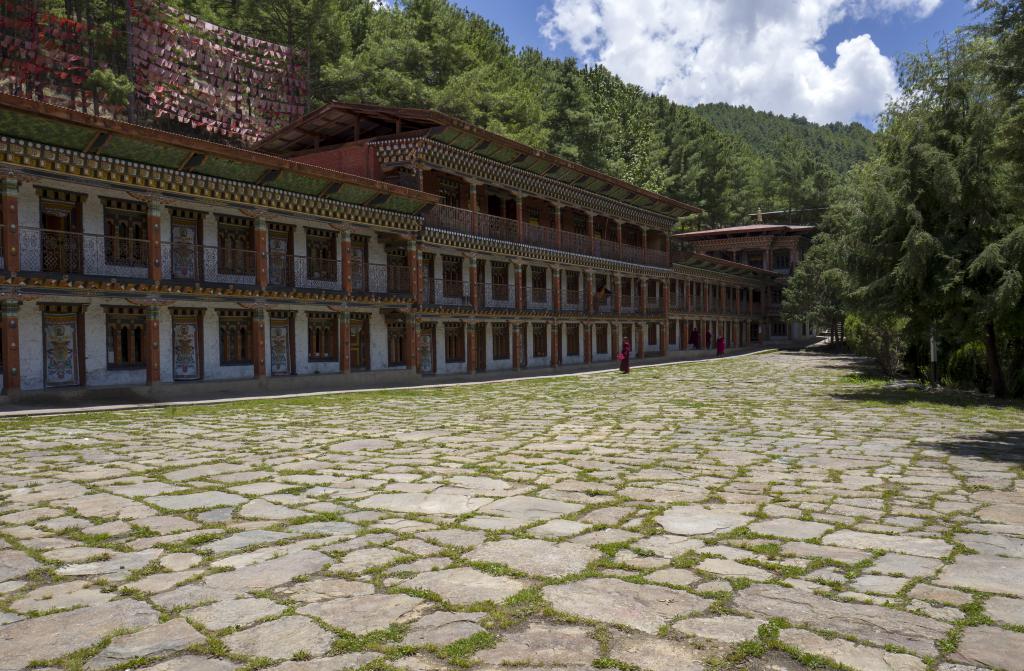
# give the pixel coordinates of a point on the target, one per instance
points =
(750, 229)
(61, 127)
(338, 123)
(715, 264)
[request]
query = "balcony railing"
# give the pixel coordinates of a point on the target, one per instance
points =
(187, 262)
(379, 279)
(572, 301)
(452, 293)
(499, 295)
(500, 228)
(65, 253)
(538, 298)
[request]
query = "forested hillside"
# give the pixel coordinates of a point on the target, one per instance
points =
(837, 145)
(430, 53)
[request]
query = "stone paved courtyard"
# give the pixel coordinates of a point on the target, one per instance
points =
(779, 511)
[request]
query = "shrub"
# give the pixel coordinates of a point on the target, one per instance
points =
(967, 368)
(880, 337)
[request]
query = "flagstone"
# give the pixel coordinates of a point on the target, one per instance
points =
(536, 557)
(363, 614)
(54, 636)
(911, 545)
(208, 499)
(541, 644)
(234, 612)
(654, 654)
(15, 564)
(156, 641)
(642, 607)
(851, 655)
(281, 639)
(991, 647)
(442, 628)
(697, 520)
(464, 586)
(724, 628)
(986, 573)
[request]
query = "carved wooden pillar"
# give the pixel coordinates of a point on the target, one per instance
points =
(617, 287)
(11, 237)
(520, 287)
(411, 350)
(643, 295)
(588, 292)
(474, 284)
(588, 343)
(346, 261)
(11, 345)
(590, 232)
(520, 222)
(556, 289)
(558, 225)
(641, 338)
(471, 347)
(153, 217)
(262, 261)
(474, 208)
(259, 341)
(643, 244)
(345, 344)
(412, 260)
(516, 344)
(663, 341)
(153, 344)
(555, 342)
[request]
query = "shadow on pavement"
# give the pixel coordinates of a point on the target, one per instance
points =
(1006, 446)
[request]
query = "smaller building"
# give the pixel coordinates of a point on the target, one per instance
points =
(776, 248)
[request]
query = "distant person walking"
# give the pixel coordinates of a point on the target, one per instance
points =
(720, 346)
(624, 355)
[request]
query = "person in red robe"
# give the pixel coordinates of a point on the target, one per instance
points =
(624, 355)
(720, 346)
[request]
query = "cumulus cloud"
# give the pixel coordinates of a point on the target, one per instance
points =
(762, 53)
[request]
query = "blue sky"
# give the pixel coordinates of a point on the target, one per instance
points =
(779, 55)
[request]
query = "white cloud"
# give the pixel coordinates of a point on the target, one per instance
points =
(762, 53)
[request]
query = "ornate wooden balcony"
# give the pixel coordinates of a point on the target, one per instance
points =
(456, 219)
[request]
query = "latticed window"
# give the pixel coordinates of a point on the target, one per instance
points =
(579, 223)
(540, 339)
(235, 246)
(60, 218)
(572, 339)
(500, 349)
(323, 336)
(235, 329)
(359, 341)
(499, 281)
(539, 277)
(601, 338)
(321, 255)
(124, 223)
(450, 191)
(652, 334)
(451, 272)
(396, 342)
(533, 215)
(454, 342)
(126, 333)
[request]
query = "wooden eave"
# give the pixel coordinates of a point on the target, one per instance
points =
(47, 124)
(714, 264)
(332, 120)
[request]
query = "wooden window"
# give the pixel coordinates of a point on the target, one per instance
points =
(454, 342)
(60, 218)
(572, 339)
(321, 255)
(323, 336)
(579, 223)
(126, 335)
(572, 281)
(124, 224)
(540, 339)
(450, 191)
(359, 341)
(360, 262)
(396, 342)
(539, 277)
(499, 342)
(499, 281)
(235, 246)
(533, 215)
(601, 338)
(672, 326)
(235, 327)
(451, 272)
(652, 334)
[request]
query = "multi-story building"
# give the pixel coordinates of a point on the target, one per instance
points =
(359, 241)
(769, 246)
